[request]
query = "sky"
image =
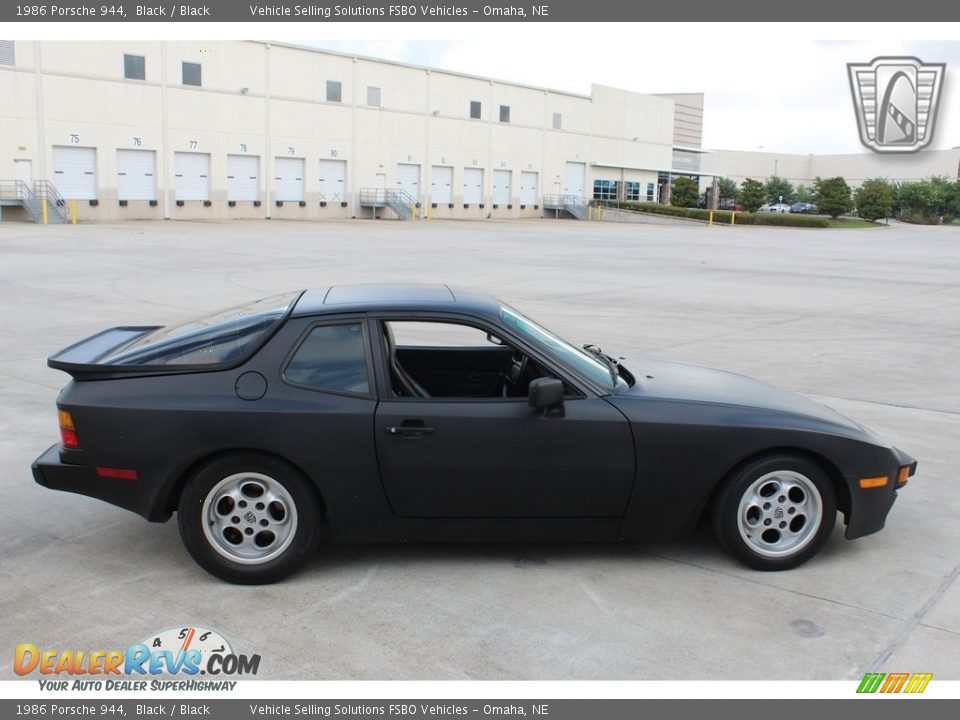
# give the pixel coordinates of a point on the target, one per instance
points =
(775, 87)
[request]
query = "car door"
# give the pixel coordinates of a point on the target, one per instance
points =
(497, 457)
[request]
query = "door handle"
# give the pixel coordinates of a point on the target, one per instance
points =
(410, 431)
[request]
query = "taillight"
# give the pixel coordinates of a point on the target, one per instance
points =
(68, 433)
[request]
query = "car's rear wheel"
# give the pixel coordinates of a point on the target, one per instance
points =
(776, 512)
(249, 518)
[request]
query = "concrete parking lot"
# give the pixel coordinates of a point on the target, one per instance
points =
(867, 321)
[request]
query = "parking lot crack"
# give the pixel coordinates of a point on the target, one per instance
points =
(917, 619)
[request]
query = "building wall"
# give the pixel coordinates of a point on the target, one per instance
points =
(270, 101)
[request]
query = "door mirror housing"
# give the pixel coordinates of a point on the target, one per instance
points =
(546, 393)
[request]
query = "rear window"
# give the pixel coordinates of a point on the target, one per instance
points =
(215, 339)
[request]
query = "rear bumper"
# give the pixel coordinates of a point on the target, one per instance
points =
(870, 507)
(50, 472)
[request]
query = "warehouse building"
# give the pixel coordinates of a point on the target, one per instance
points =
(242, 129)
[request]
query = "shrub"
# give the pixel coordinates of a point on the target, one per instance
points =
(723, 216)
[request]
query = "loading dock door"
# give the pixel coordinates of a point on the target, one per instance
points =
(473, 185)
(75, 172)
(243, 178)
(192, 176)
(528, 188)
(441, 185)
(288, 179)
(501, 187)
(333, 180)
(574, 178)
(136, 175)
(408, 179)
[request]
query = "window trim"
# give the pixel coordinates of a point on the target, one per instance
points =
(583, 390)
(372, 385)
(143, 58)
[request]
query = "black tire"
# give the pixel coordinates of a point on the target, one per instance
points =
(775, 512)
(249, 519)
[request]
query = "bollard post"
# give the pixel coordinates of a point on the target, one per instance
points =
(73, 212)
(43, 210)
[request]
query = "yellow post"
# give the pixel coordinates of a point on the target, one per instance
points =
(73, 212)
(710, 221)
(43, 210)
(589, 212)
(733, 218)
(600, 213)
(413, 210)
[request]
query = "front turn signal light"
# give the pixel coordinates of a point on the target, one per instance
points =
(903, 474)
(874, 482)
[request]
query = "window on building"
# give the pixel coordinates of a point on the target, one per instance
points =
(605, 189)
(557, 121)
(331, 357)
(134, 67)
(632, 191)
(334, 91)
(505, 113)
(7, 54)
(651, 192)
(373, 96)
(475, 109)
(192, 74)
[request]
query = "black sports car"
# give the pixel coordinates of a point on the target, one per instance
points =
(424, 412)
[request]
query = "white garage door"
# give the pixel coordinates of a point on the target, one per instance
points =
(528, 188)
(333, 180)
(243, 178)
(75, 172)
(501, 187)
(574, 178)
(441, 185)
(136, 175)
(288, 179)
(408, 179)
(473, 185)
(192, 175)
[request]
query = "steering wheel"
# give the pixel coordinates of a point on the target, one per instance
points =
(514, 374)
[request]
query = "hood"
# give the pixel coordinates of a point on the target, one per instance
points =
(663, 380)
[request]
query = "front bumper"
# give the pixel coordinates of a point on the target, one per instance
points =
(869, 508)
(50, 472)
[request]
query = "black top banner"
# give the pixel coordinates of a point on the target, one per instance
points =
(474, 11)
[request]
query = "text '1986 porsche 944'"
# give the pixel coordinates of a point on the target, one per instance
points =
(380, 413)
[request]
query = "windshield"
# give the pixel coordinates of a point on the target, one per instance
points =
(585, 363)
(219, 338)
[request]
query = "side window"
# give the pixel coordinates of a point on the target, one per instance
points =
(331, 357)
(436, 359)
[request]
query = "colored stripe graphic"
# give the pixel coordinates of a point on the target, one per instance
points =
(918, 682)
(870, 682)
(894, 682)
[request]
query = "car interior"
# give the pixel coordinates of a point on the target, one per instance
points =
(446, 360)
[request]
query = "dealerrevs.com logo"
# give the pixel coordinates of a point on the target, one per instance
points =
(896, 101)
(185, 651)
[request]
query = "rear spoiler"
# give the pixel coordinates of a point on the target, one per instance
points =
(81, 358)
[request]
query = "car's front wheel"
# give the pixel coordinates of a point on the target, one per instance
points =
(249, 519)
(776, 512)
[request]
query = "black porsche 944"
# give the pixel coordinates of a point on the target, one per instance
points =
(380, 413)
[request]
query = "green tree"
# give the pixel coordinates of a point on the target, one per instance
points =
(728, 189)
(874, 199)
(803, 194)
(833, 196)
(752, 194)
(685, 192)
(779, 189)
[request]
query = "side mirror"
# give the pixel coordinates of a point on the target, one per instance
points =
(546, 393)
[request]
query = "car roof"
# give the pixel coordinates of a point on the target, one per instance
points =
(412, 297)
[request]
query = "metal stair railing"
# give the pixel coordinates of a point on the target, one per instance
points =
(573, 204)
(19, 192)
(400, 201)
(56, 205)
